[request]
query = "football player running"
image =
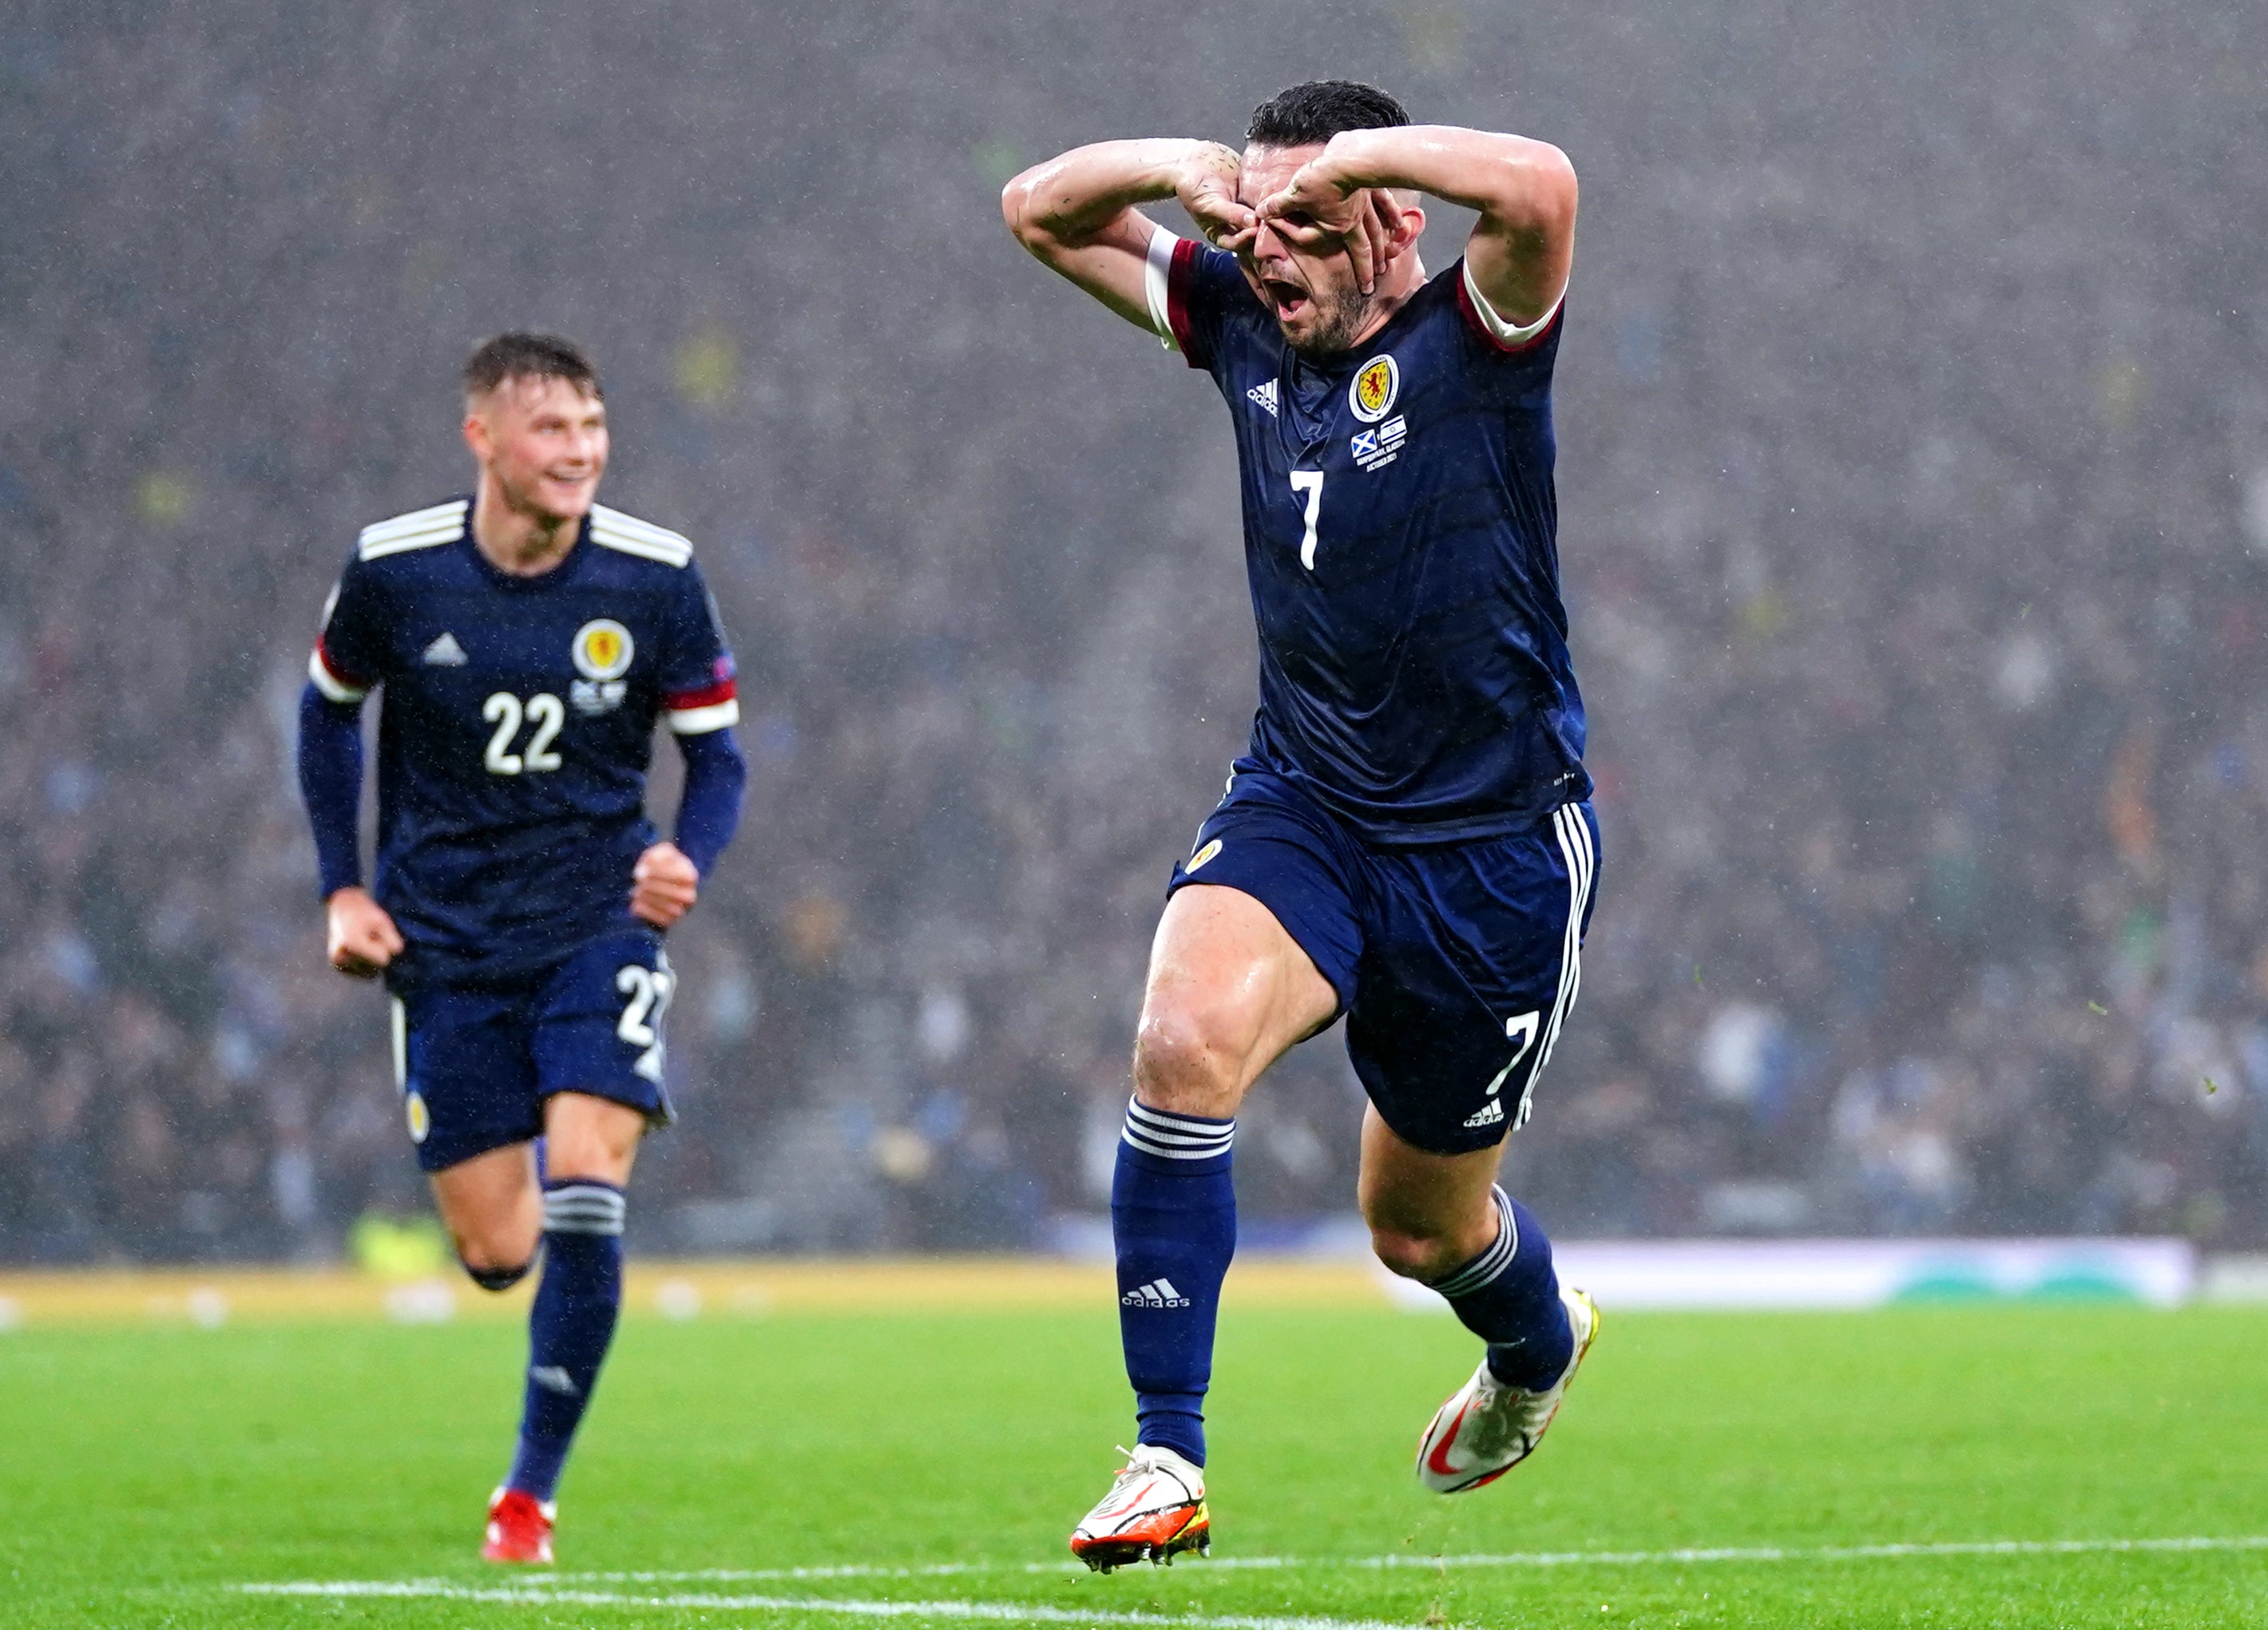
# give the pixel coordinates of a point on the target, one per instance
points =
(1408, 840)
(526, 640)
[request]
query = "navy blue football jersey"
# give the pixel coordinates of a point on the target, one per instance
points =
(1400, 535)
(517, 727)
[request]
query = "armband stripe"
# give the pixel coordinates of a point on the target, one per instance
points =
(336, 687)
(1157, 270)
(702, 695)
(699, 721)
(1178, 277)
(1508, 337)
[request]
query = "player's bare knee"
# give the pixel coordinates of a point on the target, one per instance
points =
(1423, 1258)
(1183, 1065)
(497, 1255)
(496, 1277)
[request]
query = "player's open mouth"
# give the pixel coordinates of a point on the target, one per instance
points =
(1289, 299)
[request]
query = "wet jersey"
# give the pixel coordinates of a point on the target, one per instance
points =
(518, 727)
(1400, 530)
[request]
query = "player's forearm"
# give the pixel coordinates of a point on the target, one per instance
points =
(1070, 201)
(1518, 184)
(709, 813)
(330, 785)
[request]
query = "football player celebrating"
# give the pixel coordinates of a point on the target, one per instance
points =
(1408, 839)
(526, 640)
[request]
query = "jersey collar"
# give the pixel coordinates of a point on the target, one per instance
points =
(570, 564)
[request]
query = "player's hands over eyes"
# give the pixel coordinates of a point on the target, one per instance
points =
(363, 938)
(1207, 191)
(663, 885)
(1317, 209)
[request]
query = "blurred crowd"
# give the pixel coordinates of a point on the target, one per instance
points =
(1913, 410)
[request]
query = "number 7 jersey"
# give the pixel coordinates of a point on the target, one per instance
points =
(517, 728)
(1400, 535)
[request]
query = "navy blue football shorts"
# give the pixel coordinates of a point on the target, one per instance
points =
(476, 1063)
(1455, 965)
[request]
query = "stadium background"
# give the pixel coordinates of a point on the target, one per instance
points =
(1915, 516)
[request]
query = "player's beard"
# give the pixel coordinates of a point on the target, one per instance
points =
(1342, 316)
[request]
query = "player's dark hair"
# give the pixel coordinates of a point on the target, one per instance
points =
(1319, 110)
(529, 357)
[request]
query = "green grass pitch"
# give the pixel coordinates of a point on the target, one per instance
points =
(146, 1475)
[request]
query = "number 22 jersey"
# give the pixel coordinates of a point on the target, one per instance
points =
(517, 728)
(1400, 533)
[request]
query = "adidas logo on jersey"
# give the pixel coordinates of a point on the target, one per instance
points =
(1265, 397)
(1158, 1292)
(444, 653)
(1488, 1116)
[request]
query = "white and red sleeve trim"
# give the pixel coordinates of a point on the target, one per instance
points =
(1157, 284)
(335, 683)
(1504, 336)
(697, 713)
(1166, 274)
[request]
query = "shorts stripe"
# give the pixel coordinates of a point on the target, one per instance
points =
(1581, 858)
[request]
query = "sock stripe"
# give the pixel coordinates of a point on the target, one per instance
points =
(1177, 1137)
(583, 1208)
(1491, 1262)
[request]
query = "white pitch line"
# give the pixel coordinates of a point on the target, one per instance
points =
(1818, 1553)
(997, 1613)
(1512, 1559)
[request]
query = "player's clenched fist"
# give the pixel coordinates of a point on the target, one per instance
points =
(663, 885)
(1206, 187)
(363, 937)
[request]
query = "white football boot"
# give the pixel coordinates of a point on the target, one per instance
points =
(1490, 1428)
(1154, 1511)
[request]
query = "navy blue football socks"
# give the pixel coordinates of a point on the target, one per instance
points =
(1509, 1297)
(571, 1325)
(1172, 1215)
